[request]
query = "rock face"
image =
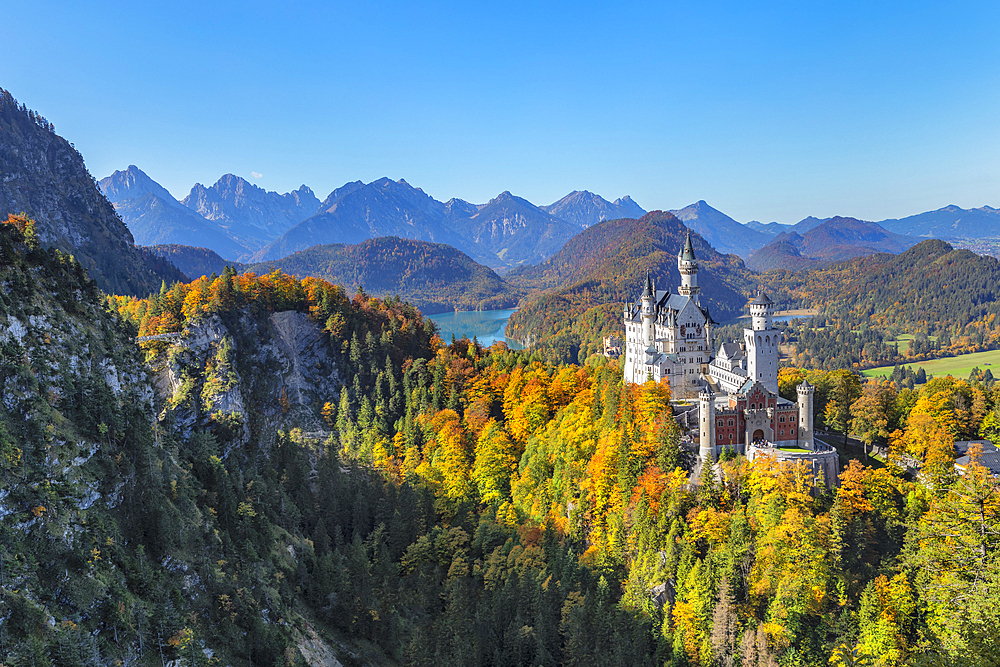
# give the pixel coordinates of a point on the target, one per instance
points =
(340, 193)
(584, 208)
(98, 511)
(248, 212)
(250, 375)
(45, 177)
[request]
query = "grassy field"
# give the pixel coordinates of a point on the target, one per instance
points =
(904, 343)
(959, 366)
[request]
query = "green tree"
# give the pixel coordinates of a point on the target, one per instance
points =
(874, 412)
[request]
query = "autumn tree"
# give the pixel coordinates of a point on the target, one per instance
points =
(873, 413)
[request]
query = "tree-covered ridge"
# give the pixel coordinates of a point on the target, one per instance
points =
(434, 277)
(589, 281)
(929, 291)
(45, 178)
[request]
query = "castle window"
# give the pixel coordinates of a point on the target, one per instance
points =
(720, 422)
(730, 422)
(782, 431)
(792, 431)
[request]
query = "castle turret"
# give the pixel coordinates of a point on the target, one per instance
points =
(706, 438)
(805, 393)
(648, 313)
(761, 342)
(687, 265)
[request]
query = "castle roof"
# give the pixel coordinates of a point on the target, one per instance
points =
(648, 290)
(687, 252)
(730, 351)
(762, 299)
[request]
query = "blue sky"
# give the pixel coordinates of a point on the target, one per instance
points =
(769, 111)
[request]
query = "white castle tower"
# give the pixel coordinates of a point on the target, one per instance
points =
(762, 343)
(687, 265)
(706, 438)
(805, 393)
(648, 312)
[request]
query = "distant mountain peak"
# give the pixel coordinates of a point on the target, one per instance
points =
(132, 183)
(247, 210)
(584, 208)
(720, 230)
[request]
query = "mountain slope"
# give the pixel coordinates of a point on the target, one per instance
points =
(434, 277)
(584, 208)
(248, 212)
(381, 208)
(929, 290)
(949, 222)
(720, 230)
(339, 193)
(515, 230)
(194, 261)
(45, 177)
(836, 239)
(590, 279)
(154, 217)
(154, 221)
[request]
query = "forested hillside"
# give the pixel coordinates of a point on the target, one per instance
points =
(317, 476)
(931, 291)
(587, 283)
(434, 277)
(835, 239)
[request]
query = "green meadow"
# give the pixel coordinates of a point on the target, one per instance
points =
(959, 366)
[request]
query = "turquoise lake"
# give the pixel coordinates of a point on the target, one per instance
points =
(486, 325)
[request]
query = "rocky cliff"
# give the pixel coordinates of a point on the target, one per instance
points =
(256, 376)
(141, 504)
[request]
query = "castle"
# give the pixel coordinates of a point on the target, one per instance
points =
(669, 337)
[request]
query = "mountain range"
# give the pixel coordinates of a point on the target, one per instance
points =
(241, 221)
(832, 240)
(950, 222)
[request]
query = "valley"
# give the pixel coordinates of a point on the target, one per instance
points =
(312, 470)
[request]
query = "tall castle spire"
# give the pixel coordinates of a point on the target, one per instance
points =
(687, 265)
